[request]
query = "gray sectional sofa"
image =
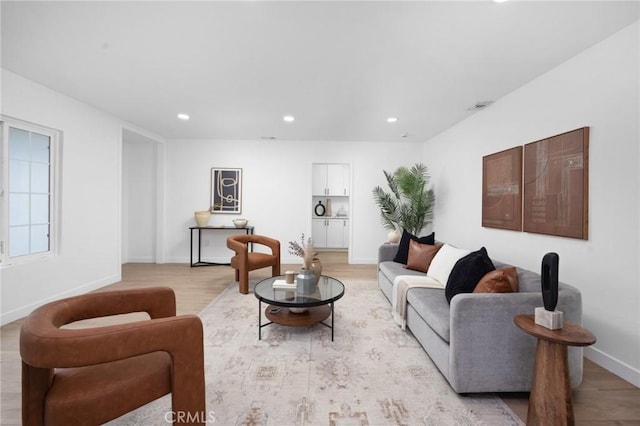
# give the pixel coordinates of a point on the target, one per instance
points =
(474, 341)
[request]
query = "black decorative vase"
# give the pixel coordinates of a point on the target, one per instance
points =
(549, 278)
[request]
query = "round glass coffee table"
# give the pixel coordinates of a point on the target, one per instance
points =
(308, 309)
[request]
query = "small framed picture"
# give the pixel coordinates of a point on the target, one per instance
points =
(226, 190)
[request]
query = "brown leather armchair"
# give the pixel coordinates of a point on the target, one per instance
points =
(93, 375)
(245, 261)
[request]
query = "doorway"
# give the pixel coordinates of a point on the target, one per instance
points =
(141, 212)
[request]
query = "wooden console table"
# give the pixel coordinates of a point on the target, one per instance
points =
(550, 397)
(247, 230)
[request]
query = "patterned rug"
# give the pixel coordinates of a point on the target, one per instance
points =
(373, 373)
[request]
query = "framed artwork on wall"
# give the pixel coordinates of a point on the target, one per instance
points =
(226, 190)
(556, 185)
(502, 189)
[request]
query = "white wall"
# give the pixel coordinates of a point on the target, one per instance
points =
(276, 190)
(139, 197)
(600, 89)
(89, 246)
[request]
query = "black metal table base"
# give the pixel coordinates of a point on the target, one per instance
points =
(201, 263)
(248, 230)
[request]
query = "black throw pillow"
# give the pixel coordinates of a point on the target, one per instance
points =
(403, 248)
(467, 272)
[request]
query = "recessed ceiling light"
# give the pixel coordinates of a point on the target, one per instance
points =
(392, 119)
(182, 116)
(499, 1)
(289, 118)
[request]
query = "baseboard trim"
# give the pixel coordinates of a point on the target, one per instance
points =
(615, 366)
(23, 311)
(221, 260)
(363, 261)
(140, 260)
(285, 260)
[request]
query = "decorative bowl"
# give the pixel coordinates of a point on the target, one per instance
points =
(240, 223)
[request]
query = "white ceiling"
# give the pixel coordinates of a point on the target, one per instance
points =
(341, 68)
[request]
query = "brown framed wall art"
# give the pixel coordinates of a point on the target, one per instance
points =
(502, 189)
(556, 185)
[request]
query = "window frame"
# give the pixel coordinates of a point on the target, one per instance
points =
(55, 138)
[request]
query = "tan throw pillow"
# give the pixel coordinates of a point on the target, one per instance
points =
(421, 255)
(499, 281)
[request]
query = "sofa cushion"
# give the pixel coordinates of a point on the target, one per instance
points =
(444, 261)
(467, 272)
(421, 255)
(403, 247)
(499, 281)
(392, 269)
(433, 308)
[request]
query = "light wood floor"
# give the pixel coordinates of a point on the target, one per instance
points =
(602, 399)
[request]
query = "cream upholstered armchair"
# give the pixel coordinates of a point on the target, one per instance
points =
(93, 375)
(245, 260)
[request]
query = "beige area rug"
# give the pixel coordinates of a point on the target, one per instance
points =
(373, 373)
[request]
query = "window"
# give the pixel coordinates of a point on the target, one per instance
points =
(29, 153)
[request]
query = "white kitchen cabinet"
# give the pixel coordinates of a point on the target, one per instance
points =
(319, 179)
(330, 233)
(338, 179)
(319, 233)
(330, 179)
(337, 233)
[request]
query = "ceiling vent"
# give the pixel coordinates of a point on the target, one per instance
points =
(479, 105)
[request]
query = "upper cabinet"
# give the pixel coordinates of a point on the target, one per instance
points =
(331, 179)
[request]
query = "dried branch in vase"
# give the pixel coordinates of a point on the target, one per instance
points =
(303, 249)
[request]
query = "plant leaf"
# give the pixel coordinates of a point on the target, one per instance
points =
(409, 205)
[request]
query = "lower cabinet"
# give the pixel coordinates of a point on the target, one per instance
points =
(330, 233)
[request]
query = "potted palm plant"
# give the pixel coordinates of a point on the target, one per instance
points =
(409, 204)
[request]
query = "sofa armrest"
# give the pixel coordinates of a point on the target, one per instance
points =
(386, 252)
(487, 347)
(487, 350)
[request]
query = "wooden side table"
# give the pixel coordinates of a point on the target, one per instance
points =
(550, 397)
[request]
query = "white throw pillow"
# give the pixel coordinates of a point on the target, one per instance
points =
(444, 261)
